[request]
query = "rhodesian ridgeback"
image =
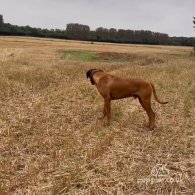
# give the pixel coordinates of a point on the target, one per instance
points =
(113, 88)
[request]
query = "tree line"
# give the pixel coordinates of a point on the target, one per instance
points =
(9, 29)
(194, 21)
(75, 31)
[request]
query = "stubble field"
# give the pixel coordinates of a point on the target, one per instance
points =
(51, 141)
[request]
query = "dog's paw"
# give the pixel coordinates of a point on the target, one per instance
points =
(106, 123)
(101, 118)
(148, 127)
(152, 127)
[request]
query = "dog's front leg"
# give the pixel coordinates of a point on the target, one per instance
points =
(104, 113)
(107, 104)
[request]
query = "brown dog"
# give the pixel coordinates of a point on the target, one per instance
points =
(112, 88)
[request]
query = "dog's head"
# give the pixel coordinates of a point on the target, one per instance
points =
(90, 73)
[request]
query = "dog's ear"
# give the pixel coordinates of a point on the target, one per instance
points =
(88, 73)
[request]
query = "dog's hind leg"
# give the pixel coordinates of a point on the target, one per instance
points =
(146, 104)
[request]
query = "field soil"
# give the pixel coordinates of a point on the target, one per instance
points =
(51, 140)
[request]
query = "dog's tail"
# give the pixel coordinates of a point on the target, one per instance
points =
(154, 92)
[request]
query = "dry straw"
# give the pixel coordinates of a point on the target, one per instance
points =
(51, 141)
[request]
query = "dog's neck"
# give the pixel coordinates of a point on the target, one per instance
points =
(94, 77)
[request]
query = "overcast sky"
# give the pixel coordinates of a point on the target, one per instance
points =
(173, 17)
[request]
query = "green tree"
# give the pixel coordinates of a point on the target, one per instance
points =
(194, 41)
(77, 31)
(1, 19)
(194, 21)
